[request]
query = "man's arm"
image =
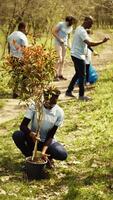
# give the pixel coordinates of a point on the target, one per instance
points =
(24, 125)
(93, 43)
(48, 140)
(26, 130)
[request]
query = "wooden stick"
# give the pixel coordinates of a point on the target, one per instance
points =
(35, 147)
(35, 150)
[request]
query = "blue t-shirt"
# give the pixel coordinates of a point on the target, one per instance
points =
(50, 118)
(17, 40)
(63, 32)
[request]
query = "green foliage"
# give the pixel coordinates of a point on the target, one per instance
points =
(33, 73)
(4, 79)
(88, 172)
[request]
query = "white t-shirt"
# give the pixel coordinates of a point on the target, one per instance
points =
(64, 30)
(54, 116)
(78, 45)
(17, 40)
(88, 56)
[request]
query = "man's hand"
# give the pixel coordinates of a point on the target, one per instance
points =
(34, 137)
(106, 39)
(44, 156)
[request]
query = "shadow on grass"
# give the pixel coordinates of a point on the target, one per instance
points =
(70, 180)
(83, 185)
(11, 166)
(14, 168)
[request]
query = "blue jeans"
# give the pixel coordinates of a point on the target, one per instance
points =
(26, 146)
(80, 68)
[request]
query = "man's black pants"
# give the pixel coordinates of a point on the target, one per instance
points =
(80, 69)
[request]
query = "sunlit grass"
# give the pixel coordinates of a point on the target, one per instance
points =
(87, 134)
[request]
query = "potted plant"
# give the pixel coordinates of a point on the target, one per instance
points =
(34, 72)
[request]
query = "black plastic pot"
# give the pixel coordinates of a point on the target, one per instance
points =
(35, 170)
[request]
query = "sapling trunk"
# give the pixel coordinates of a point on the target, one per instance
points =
(35, 151)
(38, 103)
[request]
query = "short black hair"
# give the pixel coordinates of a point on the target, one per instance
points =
(88, 18)
(70, 19)
(21, 25)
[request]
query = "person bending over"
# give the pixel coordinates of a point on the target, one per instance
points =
(17, 40)
(61, 33)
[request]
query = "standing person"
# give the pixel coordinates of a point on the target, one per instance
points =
(16, 42)
(79, 45)
(52, 118)
(61, 33)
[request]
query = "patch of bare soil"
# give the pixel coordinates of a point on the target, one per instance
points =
(11, 110)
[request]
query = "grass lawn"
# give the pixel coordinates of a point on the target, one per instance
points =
(87, 134)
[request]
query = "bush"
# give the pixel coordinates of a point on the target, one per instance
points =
(33, 72)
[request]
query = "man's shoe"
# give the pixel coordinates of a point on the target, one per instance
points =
(84, 98)
(69, 94)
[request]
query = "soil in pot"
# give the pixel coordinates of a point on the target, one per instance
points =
(35, 169)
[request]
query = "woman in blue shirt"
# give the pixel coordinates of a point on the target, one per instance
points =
(61, 32)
